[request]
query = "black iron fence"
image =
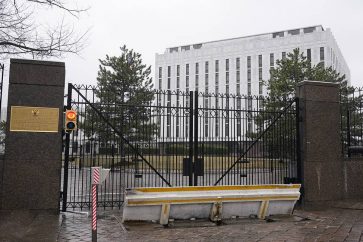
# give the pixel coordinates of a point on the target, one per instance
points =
(167, 138)
(2, 122)
(351, 100)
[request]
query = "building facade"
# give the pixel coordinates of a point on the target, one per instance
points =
(238, 67)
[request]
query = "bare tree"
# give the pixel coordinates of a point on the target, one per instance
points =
(20, 34)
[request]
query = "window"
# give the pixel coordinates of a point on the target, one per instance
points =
(322, 56)
(175, 49)
(169, 79)
(308, 54)
(187, 89)
(238, 63)
(249, 128)
(217, 79)
(160, 72)
(278, 34)
(260, 61)
(260, 87)
(321, 53)
(206, 80)
(178, 77)
(197, 46)
(177, 101)
(206, 76)
(294, 32)
(187, 99)
(238, 80)
(248, 75)
(227, 75)
(283, 55)
(206, 125)
(217, 66)
(227, 124)
(168, 113)
(260, 74)
(272, 60)
(196, 76)
(185, 48)
(309, 30)
(160, 77)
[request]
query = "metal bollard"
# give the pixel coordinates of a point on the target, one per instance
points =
(98, 176)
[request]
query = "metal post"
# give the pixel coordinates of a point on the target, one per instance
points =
(298, 143)
(348, 131)
(95, 182)
(66, 153)
(2, 67)
(190, 138)
(94, 213)
(195, 138)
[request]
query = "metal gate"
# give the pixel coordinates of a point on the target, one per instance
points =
(176, 139)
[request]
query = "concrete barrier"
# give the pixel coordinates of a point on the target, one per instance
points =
(216, 202)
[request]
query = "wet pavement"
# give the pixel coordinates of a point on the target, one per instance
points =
(343, 222)
(329, 225)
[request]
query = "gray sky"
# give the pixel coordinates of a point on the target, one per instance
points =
(150, 26)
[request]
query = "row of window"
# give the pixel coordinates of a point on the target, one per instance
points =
(227, 72)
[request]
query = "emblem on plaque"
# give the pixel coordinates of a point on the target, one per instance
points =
(35, 112)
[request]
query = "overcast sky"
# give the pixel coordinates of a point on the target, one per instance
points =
(150, 26)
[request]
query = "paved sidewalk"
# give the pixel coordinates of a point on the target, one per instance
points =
(334, 224)
(342, 223)
(29, 226)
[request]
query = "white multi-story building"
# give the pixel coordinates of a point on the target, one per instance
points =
(234, 66)
(239, 65)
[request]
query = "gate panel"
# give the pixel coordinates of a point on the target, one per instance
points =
(247, 140)
(176, 139)
(144, 144)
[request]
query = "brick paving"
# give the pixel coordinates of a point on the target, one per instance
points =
(329, 225)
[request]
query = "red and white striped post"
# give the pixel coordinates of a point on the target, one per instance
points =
(95, 182)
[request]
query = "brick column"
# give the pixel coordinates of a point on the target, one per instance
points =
(32, 165)
(320, 142)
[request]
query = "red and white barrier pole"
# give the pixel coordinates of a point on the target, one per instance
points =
(95, 182)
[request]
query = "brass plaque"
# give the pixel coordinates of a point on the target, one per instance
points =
(34, 119)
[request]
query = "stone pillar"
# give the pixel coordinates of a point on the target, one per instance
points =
(320, 142)
(32, 165)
